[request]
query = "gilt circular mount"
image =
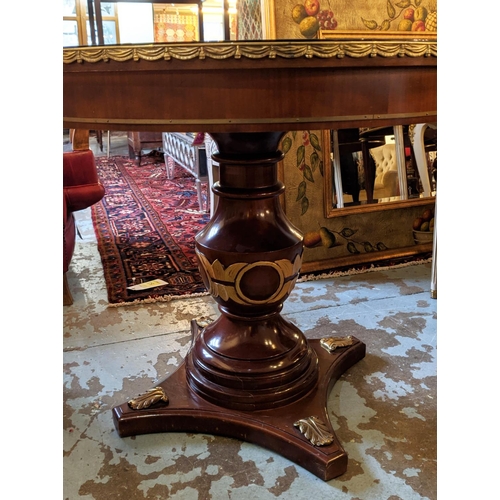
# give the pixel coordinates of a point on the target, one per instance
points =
(259, 283)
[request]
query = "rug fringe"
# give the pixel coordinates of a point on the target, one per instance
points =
(301, 279)
(352, 272)
(163, 298)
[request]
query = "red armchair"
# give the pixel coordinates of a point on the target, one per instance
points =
(81, 189)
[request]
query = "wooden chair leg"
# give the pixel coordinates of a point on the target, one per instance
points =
(108, 143)
(80, 139)
(169, 165)
(208, 202)
(200, 194)
(67, 297)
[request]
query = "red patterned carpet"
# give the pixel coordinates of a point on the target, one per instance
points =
(145, 227)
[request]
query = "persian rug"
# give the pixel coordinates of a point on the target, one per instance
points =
(145, 227)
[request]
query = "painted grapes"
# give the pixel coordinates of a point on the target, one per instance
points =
(311, 18)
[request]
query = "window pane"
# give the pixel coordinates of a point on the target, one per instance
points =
(107, 8)
(69, 7)
(213, 27)
(109, 28)
(109, 31)
(70, 34)
(213, 20)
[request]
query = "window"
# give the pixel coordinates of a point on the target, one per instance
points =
(76, 23)
(144, 22)
(109, 13)
(72, 28)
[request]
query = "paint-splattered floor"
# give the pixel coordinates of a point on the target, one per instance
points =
(383, 409)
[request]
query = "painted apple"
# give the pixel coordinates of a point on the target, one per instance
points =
(409, 13)
(420, 14)
(418, 26)
(309, 26)
(299, 13)
(404, 25)
(312, 7)
(311, 239)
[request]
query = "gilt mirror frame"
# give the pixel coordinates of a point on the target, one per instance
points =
(332, 169)
(382, 42)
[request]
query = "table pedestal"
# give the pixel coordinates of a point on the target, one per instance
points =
(250, 374)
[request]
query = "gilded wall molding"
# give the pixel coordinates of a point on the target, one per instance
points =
(355, 48)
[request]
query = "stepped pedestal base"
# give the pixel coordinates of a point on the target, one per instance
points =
(277, 429)
(251, 374)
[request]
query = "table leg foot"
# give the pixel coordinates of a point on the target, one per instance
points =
(300, 431)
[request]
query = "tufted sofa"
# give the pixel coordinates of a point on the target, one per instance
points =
(386, 171)
(81, 189)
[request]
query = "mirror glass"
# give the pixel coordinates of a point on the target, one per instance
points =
(148, 22)
(370, 166)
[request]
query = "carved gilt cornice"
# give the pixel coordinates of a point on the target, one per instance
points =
(356, 48)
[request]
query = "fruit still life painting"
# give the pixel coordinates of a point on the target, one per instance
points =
(329, 238)
(312, 16)
(423, 227)
(406, 16)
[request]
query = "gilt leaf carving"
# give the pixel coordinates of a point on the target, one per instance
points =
(315, 431)
(149, 398)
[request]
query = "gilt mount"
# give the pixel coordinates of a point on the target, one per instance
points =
(350, 45)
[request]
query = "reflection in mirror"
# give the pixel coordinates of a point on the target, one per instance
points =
(108, 30)
(378, 165)
(424, 141)
(128, 21)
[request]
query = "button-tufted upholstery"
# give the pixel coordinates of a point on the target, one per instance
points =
(386, 171)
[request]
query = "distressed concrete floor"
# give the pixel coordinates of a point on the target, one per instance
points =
(383, 409)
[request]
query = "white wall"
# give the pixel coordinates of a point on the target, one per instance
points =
(136, 22)
(213, 27)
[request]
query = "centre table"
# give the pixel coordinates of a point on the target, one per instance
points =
(251, 374)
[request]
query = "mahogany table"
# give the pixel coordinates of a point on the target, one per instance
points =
(251, 374)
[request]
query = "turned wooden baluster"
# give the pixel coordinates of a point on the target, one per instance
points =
(250, 256)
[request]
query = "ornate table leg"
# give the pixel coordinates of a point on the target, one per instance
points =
(251, 374)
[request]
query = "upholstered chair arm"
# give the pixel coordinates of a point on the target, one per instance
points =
(81, 184)
(80, 197)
